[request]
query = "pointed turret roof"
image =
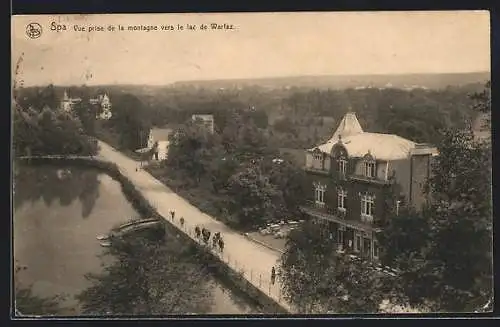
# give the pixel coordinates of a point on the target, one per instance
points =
(359, 143)
(349, 125)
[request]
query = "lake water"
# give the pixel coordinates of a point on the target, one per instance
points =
(57, 215)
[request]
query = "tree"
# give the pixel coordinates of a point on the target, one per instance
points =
(254, 199)
(444, 252)
(195, 151)
(49, 132)
(131, 120)
(86, 112)
(147, 278)
(25, 130)
(482, 103)
(317, 279)
(306, 262)
(459, 257)
(356, 287)
(403, 242)
(243, 138)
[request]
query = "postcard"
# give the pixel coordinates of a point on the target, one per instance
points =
(244, 164)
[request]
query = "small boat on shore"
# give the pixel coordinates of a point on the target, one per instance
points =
(106, 244)
(103, 237)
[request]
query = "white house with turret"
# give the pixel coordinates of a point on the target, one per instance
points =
(105, 106)
(102, 101)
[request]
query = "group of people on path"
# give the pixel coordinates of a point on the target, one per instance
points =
(217, 240)
(205, 234)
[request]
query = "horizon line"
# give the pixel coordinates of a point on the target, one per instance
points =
(258, 78)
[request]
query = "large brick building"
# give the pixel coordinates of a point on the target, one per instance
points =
(357, 177)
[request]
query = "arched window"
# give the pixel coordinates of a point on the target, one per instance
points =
(341, 199)
(342, 166)
(340, 153)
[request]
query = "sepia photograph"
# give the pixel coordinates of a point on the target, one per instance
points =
(242, 164)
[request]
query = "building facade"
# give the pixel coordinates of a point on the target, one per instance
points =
(159, 136)
(104, 104)
(357, 178)
(207, 121)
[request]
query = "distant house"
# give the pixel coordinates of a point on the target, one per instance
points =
(160, 135)
(102, 101)
(68, 103)
(105, 106)
(206, 121)
(480, 127)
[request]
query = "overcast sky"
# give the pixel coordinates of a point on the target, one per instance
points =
(262, 45)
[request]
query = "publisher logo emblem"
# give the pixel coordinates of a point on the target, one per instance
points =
(34, 30)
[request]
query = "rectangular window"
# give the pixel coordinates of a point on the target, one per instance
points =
(342, 167)
(367, 249)
(357, 242)
(342, 200)
(319, 195)
(370, 169)
(397, 207)
(340, 237)
(367, 205)
(375, 249)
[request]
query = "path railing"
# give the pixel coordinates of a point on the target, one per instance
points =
(258, 278)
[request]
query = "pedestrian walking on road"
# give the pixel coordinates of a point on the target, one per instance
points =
(197, 231)
(273, 275)
(221, 244)
(182, 221)
(204, 234)
(214, 241)
(172, 214)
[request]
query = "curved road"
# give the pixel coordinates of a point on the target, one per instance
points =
(240, 252)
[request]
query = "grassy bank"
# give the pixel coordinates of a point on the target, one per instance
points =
(112, 138)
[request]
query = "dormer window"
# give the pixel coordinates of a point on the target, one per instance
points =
(318, 159)
(369, 168)
(318, 156)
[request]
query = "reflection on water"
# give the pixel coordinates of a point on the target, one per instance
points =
(64, 185)
(58, 214)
